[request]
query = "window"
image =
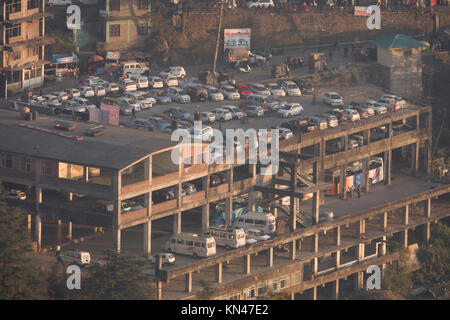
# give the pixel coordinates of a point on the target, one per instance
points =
(114, 30)
(46, 168)
(283, 283)
(32, 4)
(114, 5)
(34, 51)
(407, 53)
(197, 244)
(142, 29)
(6, 161)
(14, 31)
(14, 6)
(25, 165)
(249, 221)
(142, 4)
(190, 243)
(261, 222)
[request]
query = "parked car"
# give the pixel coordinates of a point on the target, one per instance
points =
(214, 94)
(178, 72)
(222, 114)
(368, 105)
(14, 195)
(243, 90)
(167, 258)
(188, 188)
(291, 88)
(155, 82)
(285, 133)
(73, 105)
(140, 80)
(275, 89)
(178, 95)
(52, 101)
(214, 180)
(84, 103)
(112, 87)
(289, 110)
(254, 111)
(396, 101)
(61, 95)
(73, 92)
(257, 234)
(87, 91)
(320, 122)
(363, 112)
(99, 90)
(333, 99)
(143, 98)
(196, 92)
(162, 97)
(132, 103)
(380, 108)
(170, 80)
(235, 111)
(205, 134)
(127, 85)
(351, 114)
(306, 87)
(208, 117)
(133, 67)
(230, 92)
(259, 89)
(177, 113)
(332, 121)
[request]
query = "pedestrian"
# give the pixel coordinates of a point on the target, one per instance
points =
(351, 192)
(133, 113)
(30, 95)
(359, 191)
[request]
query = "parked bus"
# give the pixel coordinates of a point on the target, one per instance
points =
(228, 236)
(257, 220)
(353, 175)
(192, 244)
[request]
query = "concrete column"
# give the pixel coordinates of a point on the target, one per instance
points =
(274, 211)
(230, 179)
(69, 231)
(387, 166)
(293, 251)
(342, 183)
(335, 289)
(148, 239)
(205, 218)
(316, 242)
(428, 157)
(228, 211)
(338, 258)
(117, 235)
(314, 293)
(293, 214)
(177, 223)
(365, 175)
(179, 192)
(292, 295)
(159, 290)
(361, 249)
(427, 208)
(70, 197)
(405, 238)
(219, 272)
(86, 174)
(415, 158)
(406, 215)
(251, 200)
(427, 232)
(59, 232)
(362, 226)
(38, 197)
(270, 258)
(359, 280)
(316, 207)
(315, 268)
(252, 171)
(385, 220)
(117, 190)
(368, 136)
(383, 246)
(246, 261)
(338, 235)
(29, 222)
(189, 282)
(38, 232)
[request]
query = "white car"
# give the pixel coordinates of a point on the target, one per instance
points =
(132, 103)
(214, 94)
(291, 89)
(14, 195)
(52, 101)
(222, 114)
(141, 81)
(84, 103)
(350, 114)
(112, 87)
(178, 95)
(285, 133)
(290, 109)
(144, 99)
(236, 112)
(380, 108)
(167, 258)
(87, 91)
(170, 81)
(256, 234)
(399, 102)
(178, 72)
(156, 82)
(61, 95)
(204, 135)
(52, 3)
(368, 106)
(333, 99)
(208, 117)
(230, 93)
(73, 92)
(253, 4)
(127, 85)
(99, 90)
(275, 89)
(259, 89)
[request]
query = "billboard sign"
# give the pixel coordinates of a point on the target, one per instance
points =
(361, 11)
(109, 114)
(236, 38)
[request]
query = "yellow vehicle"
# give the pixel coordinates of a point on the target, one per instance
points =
(317, 61)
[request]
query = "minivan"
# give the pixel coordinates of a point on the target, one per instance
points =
(141, 81)
(257, 220)
(134, 67)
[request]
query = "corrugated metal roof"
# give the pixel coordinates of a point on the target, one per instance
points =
(398, 40)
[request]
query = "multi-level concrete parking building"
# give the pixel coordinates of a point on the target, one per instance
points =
(124, 24)
(22, 47)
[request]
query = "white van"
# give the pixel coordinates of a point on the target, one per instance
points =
(259, 220)
(77, 257)
(192, 244)
(141, 81)
(134, 68)
(226, 236)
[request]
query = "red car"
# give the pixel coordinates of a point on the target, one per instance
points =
(243, 90)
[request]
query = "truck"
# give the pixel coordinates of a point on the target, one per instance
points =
(234, 57)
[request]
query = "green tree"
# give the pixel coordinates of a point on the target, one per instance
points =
(122, 278)
(18, 278)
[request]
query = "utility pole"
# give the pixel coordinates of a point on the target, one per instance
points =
(218, 38)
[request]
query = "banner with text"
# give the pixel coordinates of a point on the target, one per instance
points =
(236, 38)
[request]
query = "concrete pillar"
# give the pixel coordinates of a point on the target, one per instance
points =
(38, 232)
(342, 183)
(387, 167)
(427, 208)
(270, 258)
(359, 284)
(70, 196)
(117, 235)
(230, 179)
(205, 218)
(338, 258)
(189, 282)
(148, 239)
(177, 223)
(228, 211)
(274, 211)
(365, 175)
(158, 290)
(415, 158)
(251, 200)
(315, 266)
(292, 295)
(86, 174)
(361, 249)
(428, 157)
(293, 250)
(385, 220)
(314, 293)
(29, 222)
(368, 136)
(219, 272)
(406, 215)
(59, 231)
(293, 214)
(383, 246)
(316, 207)
(427, 232)
(362, 226)
(117, 189)
(246, 261)
(405, 238)
(338, 235)
(316, 242)
(335, 289)
(38, 195)
(69, 231)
